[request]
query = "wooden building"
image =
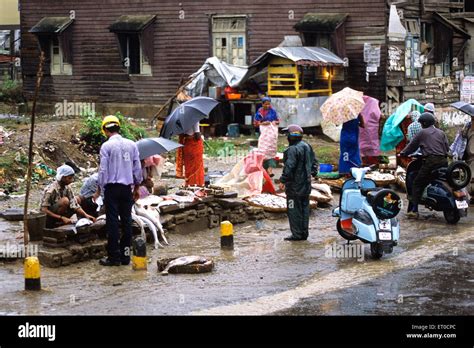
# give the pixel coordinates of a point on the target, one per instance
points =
(86, 43)
(428, 64)
(131, 55)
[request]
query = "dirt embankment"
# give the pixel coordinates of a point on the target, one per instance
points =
(55, 142)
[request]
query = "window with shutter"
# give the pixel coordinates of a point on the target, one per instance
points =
(229, 39)
(135, 35)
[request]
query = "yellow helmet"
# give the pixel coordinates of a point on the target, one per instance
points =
(108, 120)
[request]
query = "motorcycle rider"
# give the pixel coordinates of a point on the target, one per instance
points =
(434, 148)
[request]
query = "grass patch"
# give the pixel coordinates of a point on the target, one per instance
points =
(327, 154)
(222, 148)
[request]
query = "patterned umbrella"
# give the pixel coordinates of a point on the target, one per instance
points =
(343, 106)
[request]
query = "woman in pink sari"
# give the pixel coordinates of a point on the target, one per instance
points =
(369, 142)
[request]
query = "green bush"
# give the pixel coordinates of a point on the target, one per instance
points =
(11, 91)
(92, 133)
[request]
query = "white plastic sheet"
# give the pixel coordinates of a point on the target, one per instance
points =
(302, 111)
(396, 30)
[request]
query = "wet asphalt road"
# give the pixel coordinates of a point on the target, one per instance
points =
(429, 273)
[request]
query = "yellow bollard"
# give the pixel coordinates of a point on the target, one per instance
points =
(227, 235)
(139, 260)
(32, 274)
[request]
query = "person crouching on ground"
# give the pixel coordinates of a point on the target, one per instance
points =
(120, 169)
(300, 164)
(89, 194)
(58, 201)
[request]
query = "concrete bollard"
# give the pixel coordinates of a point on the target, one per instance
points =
(139, 261)
(227, 235)
(32, 274)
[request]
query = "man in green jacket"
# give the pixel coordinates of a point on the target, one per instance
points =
(300, 164)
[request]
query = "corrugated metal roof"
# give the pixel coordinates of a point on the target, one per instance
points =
(50, 25)
(319, 55)
(311, 56)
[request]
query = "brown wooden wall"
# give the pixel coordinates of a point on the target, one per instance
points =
(428, 88)
(181, 46)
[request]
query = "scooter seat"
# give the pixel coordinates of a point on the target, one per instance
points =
(371, 195)
(365, 191)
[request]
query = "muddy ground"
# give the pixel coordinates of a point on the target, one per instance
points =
(429, 273)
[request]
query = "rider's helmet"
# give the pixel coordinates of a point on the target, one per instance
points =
(427, 120)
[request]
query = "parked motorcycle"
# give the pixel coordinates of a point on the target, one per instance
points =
(368, 213)
(446, 191)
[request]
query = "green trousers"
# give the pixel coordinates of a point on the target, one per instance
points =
(298, 215)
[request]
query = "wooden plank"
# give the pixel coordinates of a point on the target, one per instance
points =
(415, 88)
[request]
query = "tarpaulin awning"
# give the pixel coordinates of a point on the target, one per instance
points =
(392, 135)
(51, 25)
(320, 22)
(219, 73)
(131, 24)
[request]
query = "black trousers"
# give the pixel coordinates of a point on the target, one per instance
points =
(118, 201)
(298, 215)
(424, 176)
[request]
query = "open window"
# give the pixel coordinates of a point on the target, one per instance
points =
(444, 32)
(135, 36)
(55, 40)
(326, 30)
(229, 39)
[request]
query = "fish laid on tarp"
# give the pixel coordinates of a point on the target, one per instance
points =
(381, 179)
(319, 197)
(185, 261)
(268, 202)
(150, 200)
(323, 188)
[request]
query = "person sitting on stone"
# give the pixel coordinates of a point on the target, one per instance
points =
(58, 201)
(88, 195)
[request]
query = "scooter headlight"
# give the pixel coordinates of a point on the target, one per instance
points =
(363, 216)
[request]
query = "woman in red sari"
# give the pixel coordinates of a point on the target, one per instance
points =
(191, 157)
